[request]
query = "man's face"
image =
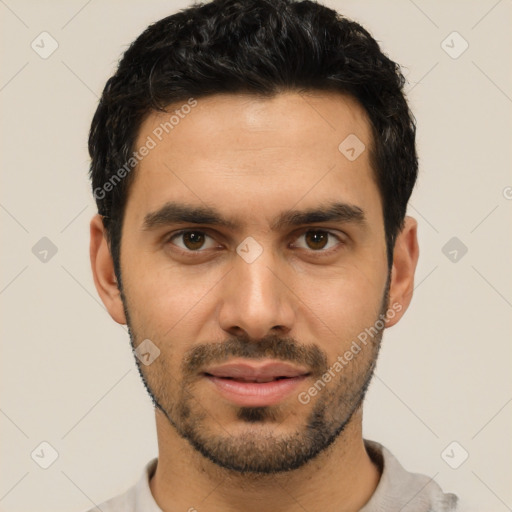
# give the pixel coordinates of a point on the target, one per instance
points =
(294, 293)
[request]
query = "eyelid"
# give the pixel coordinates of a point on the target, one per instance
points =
(323, 230)
(171, 236)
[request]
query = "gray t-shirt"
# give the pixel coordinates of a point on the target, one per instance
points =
(398, 490)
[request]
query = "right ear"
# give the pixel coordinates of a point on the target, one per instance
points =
(103, 273)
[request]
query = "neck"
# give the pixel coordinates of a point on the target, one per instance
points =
(341, 479)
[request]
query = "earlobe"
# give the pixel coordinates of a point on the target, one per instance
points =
(102, 267)
(405, 259)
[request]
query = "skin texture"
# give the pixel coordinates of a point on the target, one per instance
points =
(305, 299)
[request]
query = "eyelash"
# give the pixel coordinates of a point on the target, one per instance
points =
(188, 252)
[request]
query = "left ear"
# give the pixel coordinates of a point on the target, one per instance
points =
(405, 259)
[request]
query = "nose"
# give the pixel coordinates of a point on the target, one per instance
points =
(256, 300)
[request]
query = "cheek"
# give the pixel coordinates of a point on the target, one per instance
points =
(165, 299)
(343, 305)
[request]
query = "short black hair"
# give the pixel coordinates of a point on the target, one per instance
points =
(260, 47)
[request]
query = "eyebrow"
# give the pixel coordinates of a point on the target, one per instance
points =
(174, 213)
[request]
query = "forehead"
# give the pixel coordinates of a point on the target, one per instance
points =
(290, 118)
(239, 151)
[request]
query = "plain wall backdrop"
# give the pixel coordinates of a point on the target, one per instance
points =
(68, 377)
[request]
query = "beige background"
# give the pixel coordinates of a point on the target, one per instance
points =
(67, 374)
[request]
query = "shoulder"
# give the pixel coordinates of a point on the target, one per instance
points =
(398, 489)
(136, 498)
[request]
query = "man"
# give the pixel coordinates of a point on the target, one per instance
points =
(252, 163)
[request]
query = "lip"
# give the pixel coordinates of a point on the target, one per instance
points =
(256, 394)
(236, 381)
(256, 371)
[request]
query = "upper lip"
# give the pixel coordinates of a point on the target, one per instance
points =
(256, 371)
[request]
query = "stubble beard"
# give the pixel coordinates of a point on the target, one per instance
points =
(257, 449)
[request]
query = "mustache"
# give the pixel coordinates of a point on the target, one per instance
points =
(271, 347)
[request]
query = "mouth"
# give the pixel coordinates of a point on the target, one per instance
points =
(258, 380)
(255, 385)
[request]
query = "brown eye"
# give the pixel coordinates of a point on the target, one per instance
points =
(318, 240)
(191, 241)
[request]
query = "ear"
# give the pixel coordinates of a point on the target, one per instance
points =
(405, 259)
(103, 271)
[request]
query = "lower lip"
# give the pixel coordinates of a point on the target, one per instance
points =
(256, 394)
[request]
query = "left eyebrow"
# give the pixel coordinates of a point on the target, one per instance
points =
(174, 212)
(332, 212)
